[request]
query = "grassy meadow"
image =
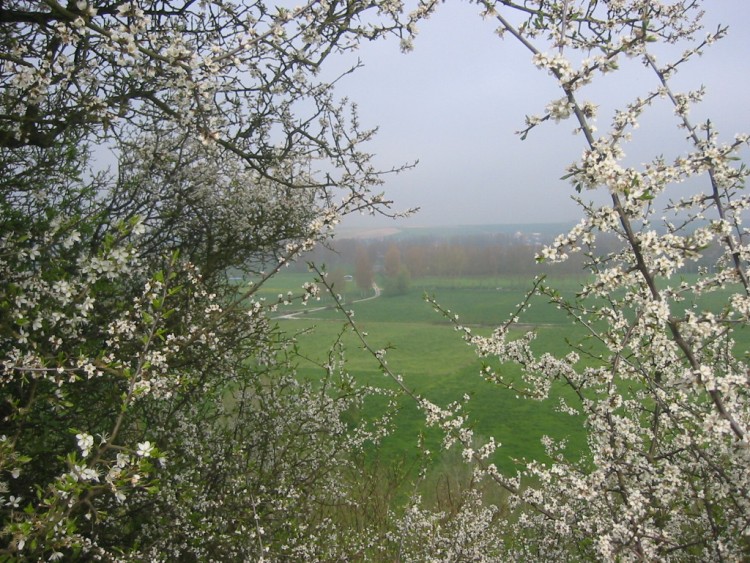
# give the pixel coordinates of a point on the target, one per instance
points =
(436, 363)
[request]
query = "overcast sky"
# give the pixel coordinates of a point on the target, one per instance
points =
(455, 102)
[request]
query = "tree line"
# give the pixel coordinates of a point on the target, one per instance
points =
(458, 256)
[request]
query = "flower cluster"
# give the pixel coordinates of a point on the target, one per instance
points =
(121, 318)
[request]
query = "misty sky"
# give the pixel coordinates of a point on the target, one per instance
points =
(456, 100)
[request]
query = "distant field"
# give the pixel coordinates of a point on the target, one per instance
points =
(437, 364)
(434, 361)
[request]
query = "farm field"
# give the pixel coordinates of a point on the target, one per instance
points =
(435, 362)
(424, 348)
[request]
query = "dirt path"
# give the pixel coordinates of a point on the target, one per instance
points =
(306, 312)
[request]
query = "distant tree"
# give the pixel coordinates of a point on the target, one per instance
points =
(398, 284)
(392, 261)
(364, 274)
(336, 280)
(416, 260)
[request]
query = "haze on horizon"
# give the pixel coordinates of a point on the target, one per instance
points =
(455, 102)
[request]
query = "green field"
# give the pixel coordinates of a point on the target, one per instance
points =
(437, 364)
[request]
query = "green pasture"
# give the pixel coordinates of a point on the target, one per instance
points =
(477, 301)
(435, 363)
